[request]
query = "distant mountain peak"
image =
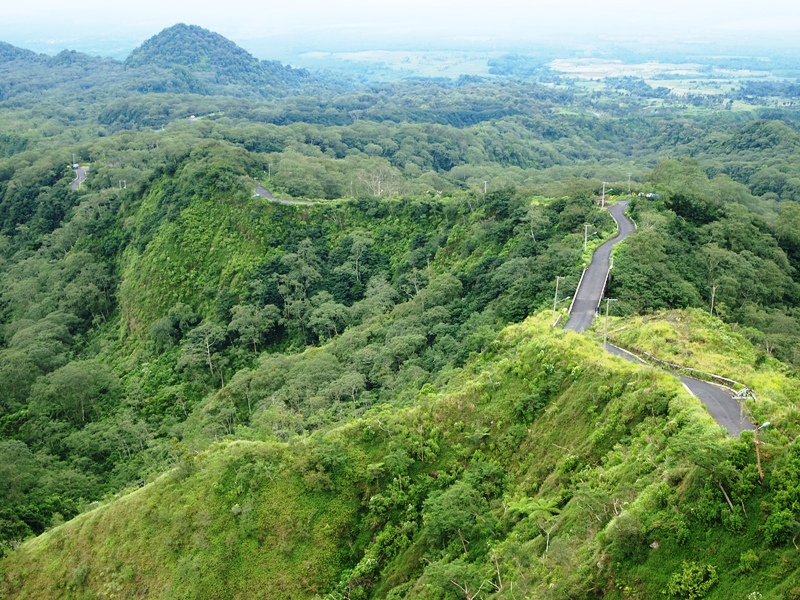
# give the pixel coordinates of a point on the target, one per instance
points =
(200, 51)
(9, 53)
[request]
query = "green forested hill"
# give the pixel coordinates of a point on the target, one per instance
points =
(123, 318)
(182, 59)
(543, 469)
(208, 55)
(211, 393)
(9, 53)
(194, 47)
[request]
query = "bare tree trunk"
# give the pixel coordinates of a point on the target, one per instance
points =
(357, 251)
(207, 341)
(466, 591)
(719, 483)
(547, 533)
(497, 567)
(463, 544)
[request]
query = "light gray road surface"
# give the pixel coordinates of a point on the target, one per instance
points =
(80, 177)
(626, 355)
(588, 295)
(718, 401)
(720, 404)
(265, 193)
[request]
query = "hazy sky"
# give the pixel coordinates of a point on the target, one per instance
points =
(84, 24)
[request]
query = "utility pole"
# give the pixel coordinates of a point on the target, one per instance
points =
(629, 183)
(555, 299)
(484, 188)
(713, 297)
(758, 452)
(605, 329)
(269, 170)
(586, 234)
(603, 198)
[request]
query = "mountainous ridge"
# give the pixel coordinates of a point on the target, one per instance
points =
(363, 396)
(184, 59)
(543, 433)
(203, 52)
(341, 481)
(9, 53)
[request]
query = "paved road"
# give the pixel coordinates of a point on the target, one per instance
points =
(624, 354)
(719, 402)
(80, 177)
(588, 295)
(265, 193)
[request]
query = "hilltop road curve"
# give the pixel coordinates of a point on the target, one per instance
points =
(588, 295)
(265, 193)
(718, 401)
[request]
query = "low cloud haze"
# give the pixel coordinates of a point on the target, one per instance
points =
(115, 28)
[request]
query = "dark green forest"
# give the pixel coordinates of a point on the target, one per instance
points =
(295, 333)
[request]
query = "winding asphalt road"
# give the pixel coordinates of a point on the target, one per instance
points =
(590, 291)
(80, 177)
(718, 400)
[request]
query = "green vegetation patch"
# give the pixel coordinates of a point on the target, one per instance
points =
(545, 464)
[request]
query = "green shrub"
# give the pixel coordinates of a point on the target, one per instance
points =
(626, 539)
(780, 526)
(748, 561)
(733, 521)
(693, 581)
(454, 514)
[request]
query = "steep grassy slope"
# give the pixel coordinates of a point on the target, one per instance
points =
(546, 469)
(193, 241)
(220, 526)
